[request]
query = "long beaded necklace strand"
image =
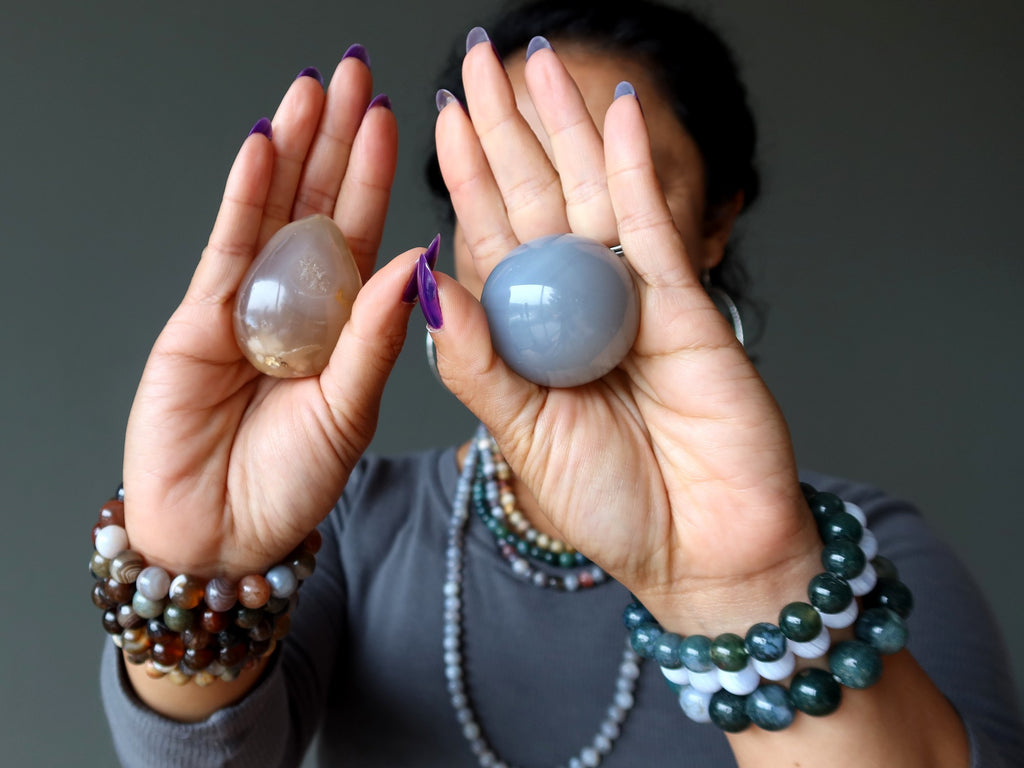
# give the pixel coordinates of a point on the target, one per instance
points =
(589, 756)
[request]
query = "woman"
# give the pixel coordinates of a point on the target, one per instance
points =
(417, 641)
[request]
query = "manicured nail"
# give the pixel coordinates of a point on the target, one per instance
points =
(537, 44)
(357, 52)
(411, 292)
(262, 126)
(380, 100)
(625, 88)
(443, 98)
(311, 72)
(476, 36)
(430, 302)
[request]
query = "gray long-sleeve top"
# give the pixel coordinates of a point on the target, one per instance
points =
(363, 665)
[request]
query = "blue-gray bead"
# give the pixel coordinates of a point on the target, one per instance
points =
(815, 692)
(562, 310)
(765, 642)
(882, 629)
(634, 615)
(729, 711)
(695, 653)
(770, 708)
(855, 664)
(643, 638)
(666, 650)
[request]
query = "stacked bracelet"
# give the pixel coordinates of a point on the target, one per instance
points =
(187, 628)
(733, 681)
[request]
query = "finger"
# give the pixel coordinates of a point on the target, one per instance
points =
(366, 352)
(327, 160)
(295, 123)
(475, 196)
(362, 203)
(651, 243)
(528, 182)
(473, 371)
(575, 144)
(233, 239)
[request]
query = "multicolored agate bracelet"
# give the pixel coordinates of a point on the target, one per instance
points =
(732, 681)
(185, 628)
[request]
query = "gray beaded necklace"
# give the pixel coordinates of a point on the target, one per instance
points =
(629, 667)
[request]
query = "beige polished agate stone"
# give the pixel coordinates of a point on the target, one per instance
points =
(295, 298)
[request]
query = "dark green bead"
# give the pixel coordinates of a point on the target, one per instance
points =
(840, 525)
(825, 504)
(567, 559)
(884, 568)
(844, 558)
(765, 642)
(549, 557)
(696, 654)
(729, 711)
(176, 618)
(808, 491)
(891, 594)
(666, 650)
(815, 692)
(829, 593)
(634, 615)
(500, 531)
(728, 652)
(855, 664)
(770, 708)
(882, 629)
(523, 548)
(643, 638)
(800, 622)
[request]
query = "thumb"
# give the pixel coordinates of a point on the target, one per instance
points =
(467, 363)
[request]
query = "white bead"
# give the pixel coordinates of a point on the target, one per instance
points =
(869, 545)
(695, 704)
(865, 581)
(842, 619)
(679, 676)
(856, 511)
(706, 682)
(741, 682)
(779, 669)
(111, 541)
(813, 649)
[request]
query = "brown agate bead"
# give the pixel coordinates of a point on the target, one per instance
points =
(186, 591)
(313, 541)
(233, 655)
(221, 594)
(196, 637)
(99, 566)
(303, 564)
(100, 598)
(282, 625)
(126, 566)
(169, 652)
(118, 592)
(198, 658)
(112, 513)
(213, 621)
(295, 298)
(159, 632)
(247, 618)
(110, 624)
(253, 591)
(178, 619)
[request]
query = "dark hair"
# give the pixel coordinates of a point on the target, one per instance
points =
(690, 62)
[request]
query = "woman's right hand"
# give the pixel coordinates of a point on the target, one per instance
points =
(226, 470)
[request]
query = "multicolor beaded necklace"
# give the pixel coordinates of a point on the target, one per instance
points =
(480, 486)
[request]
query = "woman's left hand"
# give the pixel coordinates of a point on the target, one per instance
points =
(675, 471)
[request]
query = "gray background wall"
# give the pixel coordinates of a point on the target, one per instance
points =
(886, 247)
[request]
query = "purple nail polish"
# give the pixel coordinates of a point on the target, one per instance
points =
(311, 72)
(380, 100)
(625, 88)
(443, 98)
(537, 44)
(430, 303)
(411, 291)
(262, 126)
(357, 51)
(476, 36)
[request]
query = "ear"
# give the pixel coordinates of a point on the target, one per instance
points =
(718, 224)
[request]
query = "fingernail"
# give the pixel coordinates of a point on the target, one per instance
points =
(311, 72)
(536, 44)
(357, 51)
(380, 100)
(476, 36)
(430, 303)
(411, 291)
(262, 126)
(625, 88)
(443, 98)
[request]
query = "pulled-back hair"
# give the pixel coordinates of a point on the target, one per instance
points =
(688, 60)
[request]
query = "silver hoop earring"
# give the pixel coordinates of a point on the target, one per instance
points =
(726, 306)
